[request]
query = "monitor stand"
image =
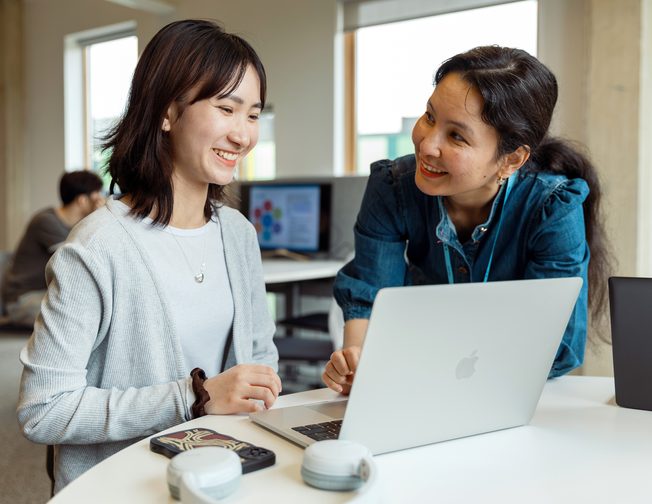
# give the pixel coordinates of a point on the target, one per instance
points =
(284, 254)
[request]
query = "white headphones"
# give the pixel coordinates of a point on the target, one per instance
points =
(336, 464)
(202, 476)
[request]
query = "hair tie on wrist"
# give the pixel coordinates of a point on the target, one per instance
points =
(202, 397)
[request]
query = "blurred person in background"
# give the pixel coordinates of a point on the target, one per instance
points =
(24, 285)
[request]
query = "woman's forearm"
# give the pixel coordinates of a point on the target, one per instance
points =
(355, 331)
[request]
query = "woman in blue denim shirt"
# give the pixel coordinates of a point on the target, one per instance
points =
(487, 196)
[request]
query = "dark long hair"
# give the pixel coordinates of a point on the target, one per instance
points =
(182, 56)
(519, 94)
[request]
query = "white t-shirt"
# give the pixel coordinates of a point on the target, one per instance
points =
(202, 313)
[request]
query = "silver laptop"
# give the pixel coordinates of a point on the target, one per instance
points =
(441, 362)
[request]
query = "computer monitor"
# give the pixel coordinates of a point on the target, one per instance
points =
(293, 216)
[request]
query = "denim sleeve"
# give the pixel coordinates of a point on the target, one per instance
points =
(558, 248)
(379, 246)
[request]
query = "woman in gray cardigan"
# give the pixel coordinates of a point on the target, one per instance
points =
(164, 279)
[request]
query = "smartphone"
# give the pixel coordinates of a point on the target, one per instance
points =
(252, 457)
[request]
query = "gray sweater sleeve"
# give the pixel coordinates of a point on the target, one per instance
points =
(91, 371)
(264, 351)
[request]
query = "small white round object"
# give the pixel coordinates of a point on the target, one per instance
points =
(335, 465)
(336, 457)
(214, 470)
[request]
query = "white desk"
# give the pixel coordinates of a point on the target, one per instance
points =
(290, 277)
(579, 448)
(286, 270)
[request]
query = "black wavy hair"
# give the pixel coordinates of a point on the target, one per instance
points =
(519, 94)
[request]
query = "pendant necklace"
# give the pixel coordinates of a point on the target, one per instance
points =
(199, 277)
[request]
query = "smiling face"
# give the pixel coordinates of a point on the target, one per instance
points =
(212, 135)
(455, 149)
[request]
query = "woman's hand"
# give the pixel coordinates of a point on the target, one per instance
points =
(340, 370)
(232, 390)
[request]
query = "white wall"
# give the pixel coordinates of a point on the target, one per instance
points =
(613, 108)
(644, 265)
(564, 47)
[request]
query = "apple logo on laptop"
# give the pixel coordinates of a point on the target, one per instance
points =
(466, 366)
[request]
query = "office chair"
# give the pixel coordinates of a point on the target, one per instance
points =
(295, 351)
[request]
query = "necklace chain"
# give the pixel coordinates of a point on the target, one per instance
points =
(199, 277)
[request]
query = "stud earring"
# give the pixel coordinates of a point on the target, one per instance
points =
(501, 180)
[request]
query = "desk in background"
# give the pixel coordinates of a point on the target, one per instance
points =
(280, 271)
(579, 448)
(302, 354)
(293, 279)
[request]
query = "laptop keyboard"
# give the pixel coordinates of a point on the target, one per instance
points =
(320, 431)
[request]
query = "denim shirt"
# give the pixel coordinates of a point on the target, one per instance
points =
(400, 233)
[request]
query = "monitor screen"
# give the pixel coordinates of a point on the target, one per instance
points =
(292, 216)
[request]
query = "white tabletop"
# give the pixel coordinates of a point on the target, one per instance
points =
(579, 448)
(288, 270)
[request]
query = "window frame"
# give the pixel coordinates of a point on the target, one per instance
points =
(77, 121)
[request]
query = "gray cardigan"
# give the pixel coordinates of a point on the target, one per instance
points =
(104, 366)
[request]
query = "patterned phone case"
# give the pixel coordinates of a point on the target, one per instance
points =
(252, 457)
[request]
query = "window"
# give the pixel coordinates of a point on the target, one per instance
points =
(99, 65)
(395, 64)
(260, 163)
(109, 68)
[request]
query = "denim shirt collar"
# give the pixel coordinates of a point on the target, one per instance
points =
(445, 230)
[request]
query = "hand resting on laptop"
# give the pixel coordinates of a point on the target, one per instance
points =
(339, 372)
